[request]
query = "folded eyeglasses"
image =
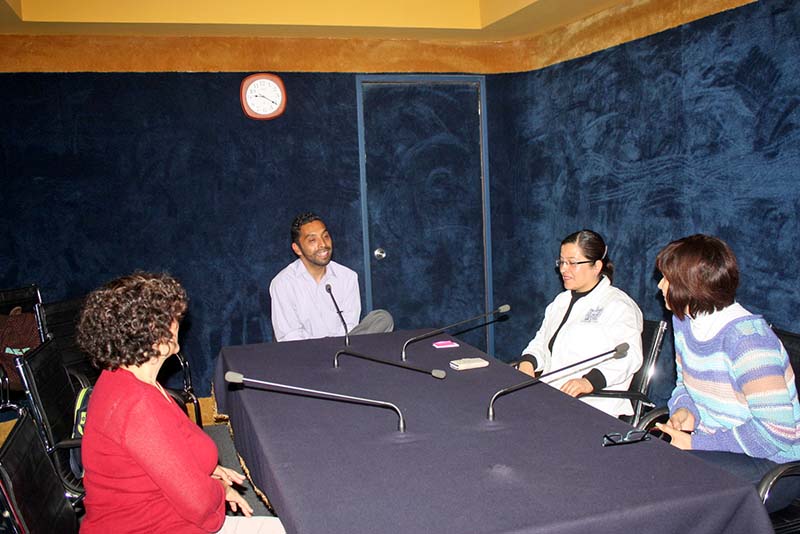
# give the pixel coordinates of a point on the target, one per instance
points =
(617, 438)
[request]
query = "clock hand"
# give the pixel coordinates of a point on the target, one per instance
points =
(266, 98)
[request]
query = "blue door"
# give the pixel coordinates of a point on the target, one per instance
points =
(424, 201)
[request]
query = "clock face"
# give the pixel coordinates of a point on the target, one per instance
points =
(263, 96)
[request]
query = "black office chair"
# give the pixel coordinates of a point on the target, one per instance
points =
(52, 401)
(788, 519)
(653, 334)
(32, 496)
(58, 322)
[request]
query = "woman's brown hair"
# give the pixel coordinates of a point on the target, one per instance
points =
(122, 322)
(702, 273)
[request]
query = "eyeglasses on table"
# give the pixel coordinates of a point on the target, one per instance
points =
(632, 436)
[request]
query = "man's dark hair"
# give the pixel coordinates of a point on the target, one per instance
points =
(702, 273)
(299, 221)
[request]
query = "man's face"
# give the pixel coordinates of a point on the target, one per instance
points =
(314, 246)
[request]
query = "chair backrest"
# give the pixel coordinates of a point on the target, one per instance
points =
(24, 297)
(51, 397)
(653, 333)
(49, 391)
(30, 489)
(58, 321)
(791, 342)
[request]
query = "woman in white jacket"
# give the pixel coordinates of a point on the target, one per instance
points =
(589, 318)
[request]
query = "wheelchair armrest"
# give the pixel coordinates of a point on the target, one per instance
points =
(71, 443)
(775, 474)
(659, 415)
(631, 395)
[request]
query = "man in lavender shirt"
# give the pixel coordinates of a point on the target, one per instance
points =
(301, 305)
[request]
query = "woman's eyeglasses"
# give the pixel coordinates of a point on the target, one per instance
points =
(570, 264)
(633, 436)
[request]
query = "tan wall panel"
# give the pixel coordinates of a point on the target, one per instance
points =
(53, 53)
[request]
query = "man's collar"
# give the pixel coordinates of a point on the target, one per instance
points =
(331, 270)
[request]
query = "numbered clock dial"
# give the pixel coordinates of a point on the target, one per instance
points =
(263, 96)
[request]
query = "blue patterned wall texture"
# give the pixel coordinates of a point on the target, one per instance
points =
(691, 130)
(103, 174)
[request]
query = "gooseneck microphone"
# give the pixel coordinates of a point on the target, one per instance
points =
(620, 351)
(238, 378)
(502, 309)
(341, 315)
(435, 373)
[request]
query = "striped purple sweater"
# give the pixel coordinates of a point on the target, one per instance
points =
(740, 388)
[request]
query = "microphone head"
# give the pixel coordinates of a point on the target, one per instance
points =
(233, 377)
(328, 288)
(438, 373)
(504, 308)
(621, 351)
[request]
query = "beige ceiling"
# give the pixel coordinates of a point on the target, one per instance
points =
(457, 20)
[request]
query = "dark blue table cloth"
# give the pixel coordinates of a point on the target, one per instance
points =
(333, 467)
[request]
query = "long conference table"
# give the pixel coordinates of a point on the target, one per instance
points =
(334, 467)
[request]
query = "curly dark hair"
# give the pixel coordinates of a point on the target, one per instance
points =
(121, 322)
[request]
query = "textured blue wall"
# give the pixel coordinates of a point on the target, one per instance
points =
(102, 174)
(692, 130)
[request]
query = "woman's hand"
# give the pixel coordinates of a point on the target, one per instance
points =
(680, 438)
(227, 476)
(682, 419)
(577, 386)
(237, 502)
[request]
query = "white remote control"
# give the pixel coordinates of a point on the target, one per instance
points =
(468, 363)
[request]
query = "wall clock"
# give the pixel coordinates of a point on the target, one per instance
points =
(263, 96)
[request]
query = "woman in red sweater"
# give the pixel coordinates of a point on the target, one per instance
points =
(148, 468)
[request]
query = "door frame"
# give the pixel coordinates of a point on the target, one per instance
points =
(410, 79)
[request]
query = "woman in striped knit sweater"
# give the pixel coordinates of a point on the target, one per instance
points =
(735, 401)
